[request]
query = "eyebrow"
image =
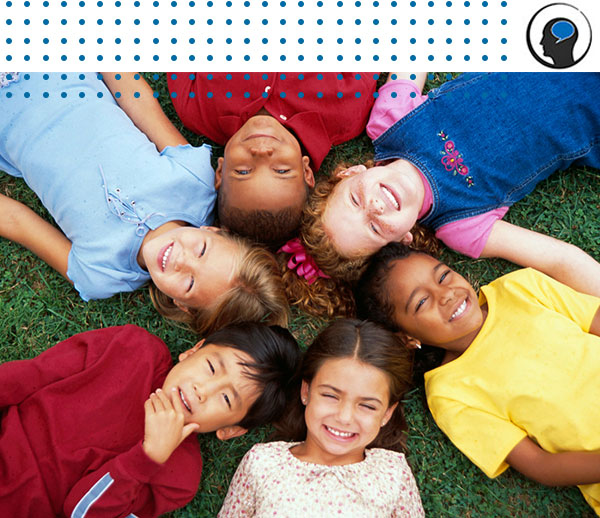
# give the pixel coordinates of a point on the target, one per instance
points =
(236, 396)
(338, 391)
(413, 292)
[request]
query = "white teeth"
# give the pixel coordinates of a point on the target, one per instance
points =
(166, 256)
(338, 433)
(459, 310)
(183, 400)
(390, 196)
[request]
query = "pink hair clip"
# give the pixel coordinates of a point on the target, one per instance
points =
(303, 263)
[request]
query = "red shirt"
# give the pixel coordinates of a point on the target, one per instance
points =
(322, 110)
(72, 425)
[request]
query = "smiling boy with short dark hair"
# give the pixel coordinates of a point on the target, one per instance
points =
(99, 425)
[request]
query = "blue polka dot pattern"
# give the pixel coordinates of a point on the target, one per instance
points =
(248, 34)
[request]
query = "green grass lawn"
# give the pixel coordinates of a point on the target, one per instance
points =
(39, 308)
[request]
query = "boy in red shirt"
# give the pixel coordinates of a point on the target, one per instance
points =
(276, 129)
(99, 425)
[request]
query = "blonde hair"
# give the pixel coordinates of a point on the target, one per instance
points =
(258, 295)
(333, 297)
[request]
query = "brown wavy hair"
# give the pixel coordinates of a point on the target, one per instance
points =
(258, 295)
(333, 297)
(371, 344)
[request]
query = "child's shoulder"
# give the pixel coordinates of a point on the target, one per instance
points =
(387, 460)
(128, 340)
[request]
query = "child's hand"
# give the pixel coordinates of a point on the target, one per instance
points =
(164, 428)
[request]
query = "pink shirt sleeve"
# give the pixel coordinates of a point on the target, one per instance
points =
(395, 100)
(468, 236)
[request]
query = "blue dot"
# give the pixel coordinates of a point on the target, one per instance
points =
(319, 4)
(209, 3)
(394, 3)
(319, 95)
(430, 40)
(246, 4)
(173, 21)
(503, 58)
(484, 21)
(319, 40)
(340, 58)
(8, 94)
(155, 57)
(448, 57)
(209, 22)
(430, 57)
(375, 3)
(46, 95)
(228, 77)
(45, 4)
(247, 95)
(209, 95)
(484, 57)
(282, 41)
(357, 21)
(81, 95)
(300, 57)
(63, 4)
(156, 22)
(265, 41)
(26, 41)
(467, 57)
(118, 4)
(448, 41)
(209, 41)
(117, 58)
(467, 3)
(301, 94)
(319, 21)
(264, 57)
(503, 22)
(63, 77)
(99, 21)
(394, 41)
(484, 41)
(319, 57)
(63, 58)
(46, 21)
(264, 77)
(467, 41)
(357, 57)
(340, 21)
(282, 21)
(375, 21)
(300, 21)
(503, 4)
(63, 22)
(228, 95)
(413, 21)
(81, 41)
(449, 3)
(448, 21)
(8, 41)
(413, 41)
(484, 3)
(228, 41)
(118, 41)
(155, 95)
(375, 41)
(467, 21)
(413, 3)
(300, 41)
(136, 41)
(64, 94)
(376, 95)
(282, 95)
(320, 77)
(265, 21)
(46, 41)
(155, 41)
(357, 41)
(503, 41)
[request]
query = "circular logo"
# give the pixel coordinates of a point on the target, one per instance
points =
(559, 35)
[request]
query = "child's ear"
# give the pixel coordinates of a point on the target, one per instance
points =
(181, 306)
(212, 229)
(304, 392)
(309, 176)
(191, 351)
(229, 432)
(355, 169)
(218, 173)
(412, 343)
(407, 239)
(388, 414)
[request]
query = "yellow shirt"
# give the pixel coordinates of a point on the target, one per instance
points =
(533, 370)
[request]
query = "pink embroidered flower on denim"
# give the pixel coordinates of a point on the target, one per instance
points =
(453, 160)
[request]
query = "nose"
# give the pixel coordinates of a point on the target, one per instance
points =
(181, 260)
(261, 150)
(446, 295)
(344, 414)
(376, 206)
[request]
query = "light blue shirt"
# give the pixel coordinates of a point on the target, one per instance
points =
(104, 183)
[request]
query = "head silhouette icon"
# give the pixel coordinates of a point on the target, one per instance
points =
(560, 35)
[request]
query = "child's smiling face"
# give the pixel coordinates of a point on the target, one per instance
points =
(369, 208)
(193, 266)
(433, 303)
(213, 386)
(346, 405)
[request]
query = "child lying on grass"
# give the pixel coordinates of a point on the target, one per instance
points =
(99, 425)
(518, 382)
